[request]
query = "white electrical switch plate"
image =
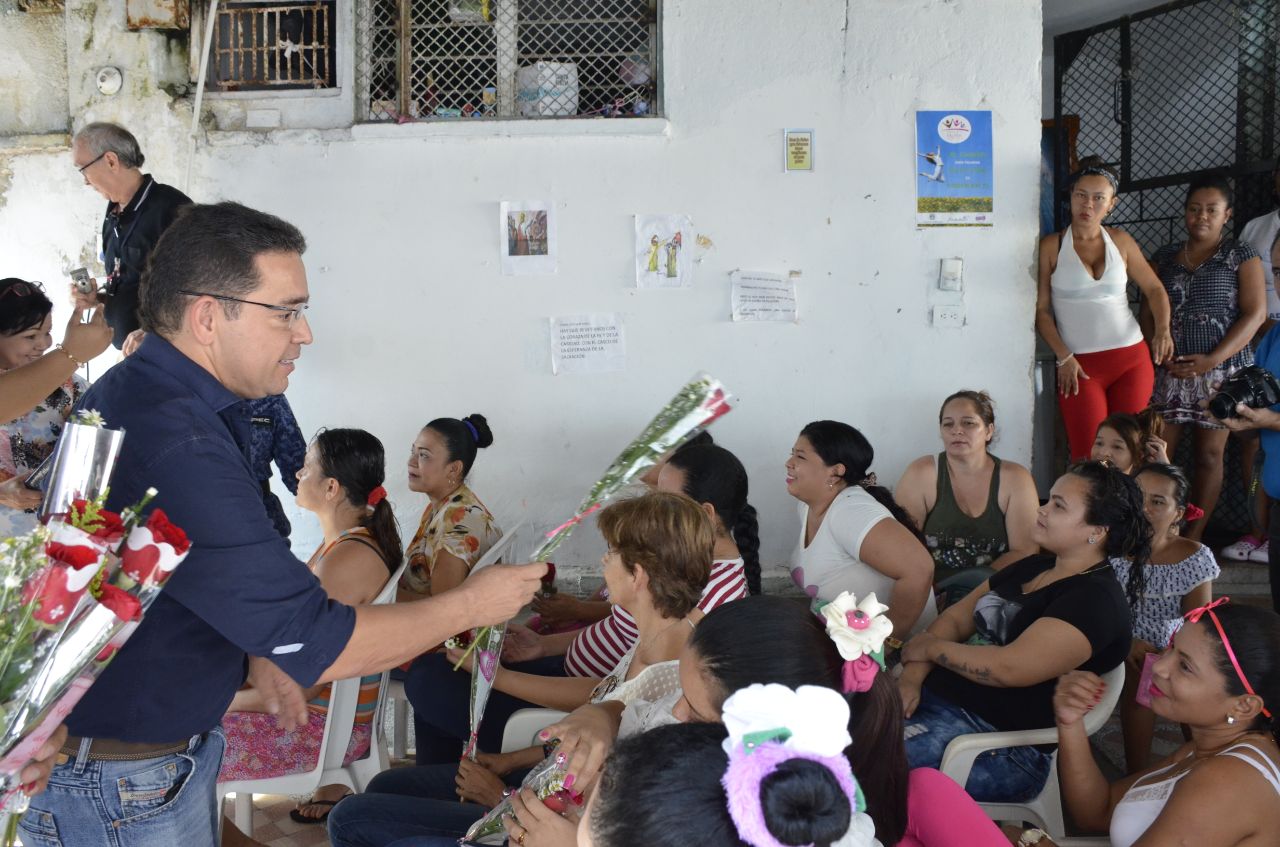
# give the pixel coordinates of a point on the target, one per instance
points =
(951, 277)
(948, 316)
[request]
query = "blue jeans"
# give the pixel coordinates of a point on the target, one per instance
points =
(417, 803)
(154, 802)
(441, 699)
(1012, 774)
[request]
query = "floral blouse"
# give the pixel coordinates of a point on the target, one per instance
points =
(28, 441)
(461, 526)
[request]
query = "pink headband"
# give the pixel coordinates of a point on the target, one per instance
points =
(1195, 615)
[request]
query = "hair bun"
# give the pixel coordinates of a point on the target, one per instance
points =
(803, 804)
(480, 427)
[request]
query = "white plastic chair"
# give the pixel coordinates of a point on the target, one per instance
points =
(523, 727)
(329, 769)
(395, 687)
(1044, 810)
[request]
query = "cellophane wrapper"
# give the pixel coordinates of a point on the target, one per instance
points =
(545, 780)
(48, 667)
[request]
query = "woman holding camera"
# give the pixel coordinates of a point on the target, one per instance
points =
(1218, 301)
(32, 429)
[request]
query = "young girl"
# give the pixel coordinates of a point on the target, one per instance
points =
(1179, 577)
(1127, 442)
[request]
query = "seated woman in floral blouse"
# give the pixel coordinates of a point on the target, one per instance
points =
(26, 333)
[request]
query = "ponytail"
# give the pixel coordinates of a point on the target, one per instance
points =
(746, 534)
(385, 532)
(884, 498)
(357, 460)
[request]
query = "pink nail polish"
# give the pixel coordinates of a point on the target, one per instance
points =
(543, 735)
(568, 782)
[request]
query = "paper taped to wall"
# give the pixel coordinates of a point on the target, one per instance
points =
(587, 343)
(760, 296)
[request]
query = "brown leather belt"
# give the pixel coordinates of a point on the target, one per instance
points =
(110, 750)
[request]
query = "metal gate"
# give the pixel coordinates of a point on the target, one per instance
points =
(1164, 96)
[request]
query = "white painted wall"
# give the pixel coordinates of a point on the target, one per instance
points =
(413, 320)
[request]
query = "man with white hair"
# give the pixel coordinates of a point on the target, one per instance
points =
(139, 210)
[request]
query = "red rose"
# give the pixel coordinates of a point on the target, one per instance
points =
(124, 604)
(167, 532)
(72, 555)
(106, 526)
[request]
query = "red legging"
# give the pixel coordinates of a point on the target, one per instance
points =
(1119, 380)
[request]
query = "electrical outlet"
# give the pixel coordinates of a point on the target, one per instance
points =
(948, 316)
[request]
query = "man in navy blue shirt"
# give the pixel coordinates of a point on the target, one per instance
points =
(223, 303)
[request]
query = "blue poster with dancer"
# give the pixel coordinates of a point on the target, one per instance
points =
(955, 178)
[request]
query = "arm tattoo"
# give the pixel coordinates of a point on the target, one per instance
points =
(976, 673)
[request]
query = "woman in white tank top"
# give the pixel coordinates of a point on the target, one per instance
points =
(1220, 677)
(1083, 314)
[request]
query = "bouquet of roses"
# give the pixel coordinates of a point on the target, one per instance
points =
(71, 593)
(695, 407)
(547, 781)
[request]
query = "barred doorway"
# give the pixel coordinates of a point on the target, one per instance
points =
(1164, 96)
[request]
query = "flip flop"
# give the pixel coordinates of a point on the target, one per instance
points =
(297, 816)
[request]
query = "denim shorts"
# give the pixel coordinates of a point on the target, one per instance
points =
(157, 802)
(1011, 774)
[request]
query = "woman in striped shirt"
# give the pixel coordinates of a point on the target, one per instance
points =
(715, 478)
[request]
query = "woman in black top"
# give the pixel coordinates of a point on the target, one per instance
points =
(989, 662)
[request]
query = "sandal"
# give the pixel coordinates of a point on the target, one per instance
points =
(297, 816)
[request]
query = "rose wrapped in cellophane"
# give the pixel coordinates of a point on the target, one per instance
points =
(697, 405)
(66, 607)
(546, 780)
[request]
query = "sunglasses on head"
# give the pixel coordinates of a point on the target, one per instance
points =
(22, 289)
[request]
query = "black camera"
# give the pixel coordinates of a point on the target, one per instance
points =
(1254, 386)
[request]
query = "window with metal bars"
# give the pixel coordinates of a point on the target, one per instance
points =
(453, 59)
(273, 46)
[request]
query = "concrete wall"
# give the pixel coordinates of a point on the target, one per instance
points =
(413, 319)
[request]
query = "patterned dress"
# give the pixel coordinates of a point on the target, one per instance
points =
(1204, 303)
(461, 526)
(1160, 607)
(28, 441)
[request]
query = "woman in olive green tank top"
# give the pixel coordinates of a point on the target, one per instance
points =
(976, 510)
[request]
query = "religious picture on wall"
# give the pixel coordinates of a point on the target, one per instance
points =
(954, 168)
(528, 237)
(663, 258)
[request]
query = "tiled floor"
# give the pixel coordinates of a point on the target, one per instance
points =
(273, 826)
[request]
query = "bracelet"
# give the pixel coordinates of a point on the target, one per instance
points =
(1065, 359)
(1031, 836)
(78, 363)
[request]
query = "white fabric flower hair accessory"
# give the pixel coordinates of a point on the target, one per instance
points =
(859, 631)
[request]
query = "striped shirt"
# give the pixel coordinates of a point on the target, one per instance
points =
(596, 650)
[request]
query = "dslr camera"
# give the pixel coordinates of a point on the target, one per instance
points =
(1254, 386)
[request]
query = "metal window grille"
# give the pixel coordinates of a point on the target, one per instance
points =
(1168, 95)
(273, 46)
(449, 59)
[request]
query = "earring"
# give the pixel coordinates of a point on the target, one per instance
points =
(1231, 720)
(1093, 541)
(831, 483)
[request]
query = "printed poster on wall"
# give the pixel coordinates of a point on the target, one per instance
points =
(527, 230)
(955, 184)
(587, 343)
(664, 257)
(760, 296)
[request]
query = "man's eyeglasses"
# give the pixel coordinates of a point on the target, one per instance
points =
(84, 168)
(295, 313)
(22, 289)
